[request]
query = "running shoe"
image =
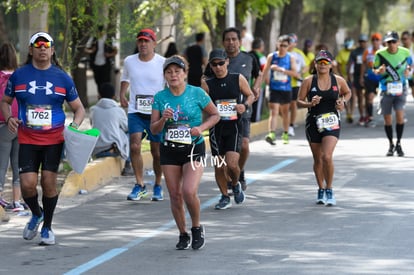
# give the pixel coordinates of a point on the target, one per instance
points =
(238, 193)
(361, 121)
(399, 150)
(47, 237)
(391, 150)
(30, 230)
(330, 198)
(224, 203)
(127, 171)
(157, 194)
(183, 242)
(291, 131)
(137, 193)
(3, 202)
(370, 123)
(198, 234)
(285, 138)
(271, 138)
(321, 199)
(15, 207)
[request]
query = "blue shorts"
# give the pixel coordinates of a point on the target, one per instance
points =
(137, 124)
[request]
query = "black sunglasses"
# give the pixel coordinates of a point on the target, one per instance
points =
(214, 64)
(145, 34)
(392, 42)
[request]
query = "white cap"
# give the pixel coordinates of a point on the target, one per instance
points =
(40, 34)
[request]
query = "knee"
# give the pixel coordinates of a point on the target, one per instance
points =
(135, 148)
(326, 159)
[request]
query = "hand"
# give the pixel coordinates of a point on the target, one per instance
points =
(124, 101)
(340, 104)
(13, 124)
(196, 131)
(316, 100)
(168, 113)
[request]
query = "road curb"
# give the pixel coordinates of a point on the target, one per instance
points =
(100, 171)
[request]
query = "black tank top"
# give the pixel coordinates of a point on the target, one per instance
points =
(329, 97)
(225, 89)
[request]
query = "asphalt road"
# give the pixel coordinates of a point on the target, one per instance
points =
(277, 230)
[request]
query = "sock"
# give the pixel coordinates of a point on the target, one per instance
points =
(388, 132)
(399, 129)
(49, 205)
(34, 206)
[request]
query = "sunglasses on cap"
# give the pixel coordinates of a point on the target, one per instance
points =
(145, 34)
(216, 64)
(323, 62)
(39, 44)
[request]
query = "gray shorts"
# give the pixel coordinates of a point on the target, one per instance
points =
(388, 102)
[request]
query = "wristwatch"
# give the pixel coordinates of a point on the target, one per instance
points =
(74, 125)
(247, 106)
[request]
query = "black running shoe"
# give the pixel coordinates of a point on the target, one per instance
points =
(399, 150)
(198, 234)
(224, 203)
(183, 242)
(390, 152)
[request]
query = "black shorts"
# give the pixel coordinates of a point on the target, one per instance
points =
(312, 133)
(181, 155)
(226, 137)
(32, 156)
(245, 127)
(295, 91)
(370, 86)
(281, 97)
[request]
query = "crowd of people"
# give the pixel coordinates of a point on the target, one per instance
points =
(175, 99)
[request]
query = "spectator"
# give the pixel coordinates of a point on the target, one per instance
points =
(9, 145)
(112, 122)
(197, 58)
(101, 50)
(171, 50)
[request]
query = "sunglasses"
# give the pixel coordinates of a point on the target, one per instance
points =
(145, 34)
(214, 64)
(39, 44)
(392, 42)
(284, 45)
(323, 62)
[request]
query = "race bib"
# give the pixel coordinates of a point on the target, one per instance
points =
(394, 88)
(359, 59)
(279, 76)
(144, 104)
(327, 122)
(227, 109)
(178, 133)
(39, 116)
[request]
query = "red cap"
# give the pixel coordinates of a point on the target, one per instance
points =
(376, 36)
(147, 34)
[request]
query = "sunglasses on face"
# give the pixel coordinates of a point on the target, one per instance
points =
(323, 62)
(216, 64)
(39, 44)
(392, 42)
(284, 45)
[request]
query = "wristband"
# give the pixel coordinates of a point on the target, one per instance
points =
(246, 106)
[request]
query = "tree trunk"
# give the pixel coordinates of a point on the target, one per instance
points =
(291, 17)
(331, 18)
(263, 29)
